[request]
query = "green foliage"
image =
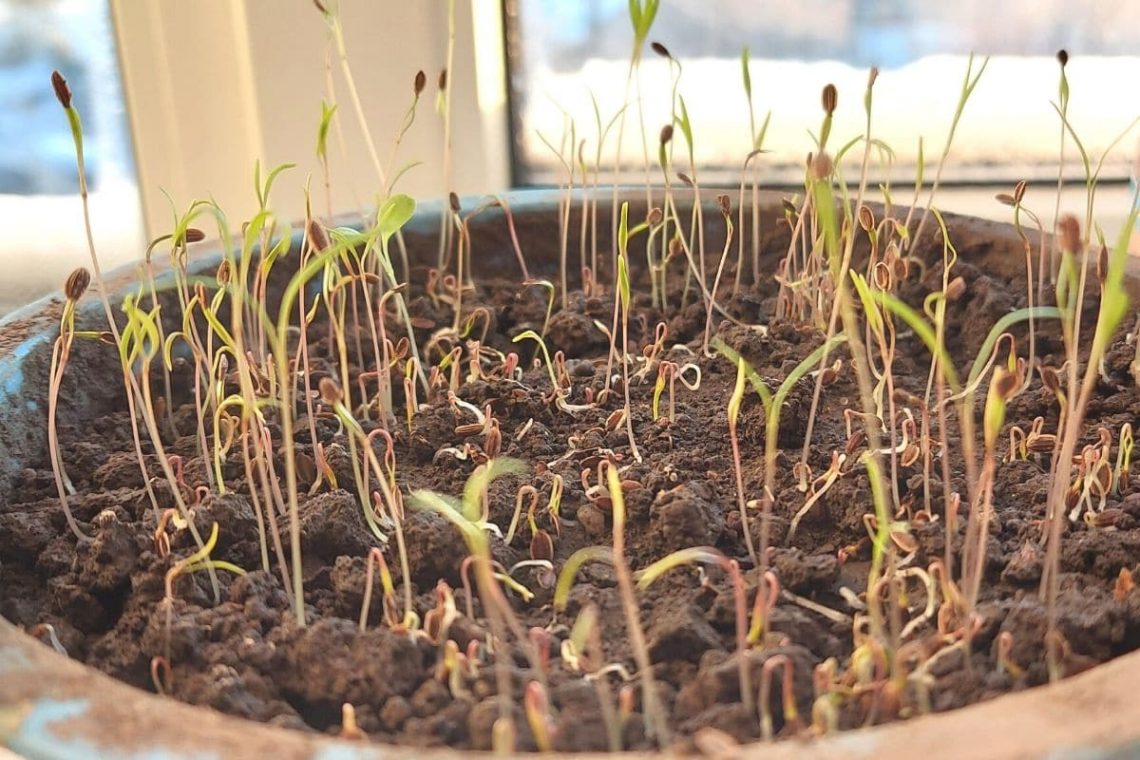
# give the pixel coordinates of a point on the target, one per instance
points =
(394, 213)
(641, 16)
(465, 514)
(327, 113)
(682, 120)
(1000, 327)
(773, 403)
(874, 300)
(263, 190)
(1114, 298)
(705, 555)
(746, 75)
(573, 565)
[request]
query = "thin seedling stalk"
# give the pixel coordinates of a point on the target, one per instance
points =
(1063, 100)
(656, 726)
(444, 107)
(726, 212)
(840, 274)
(968, 84)
(1002, 385)
(642, 14)
(624, 233)
(603, 134)
(740, 225)
(756, 143)
(298, 282)
(255, 501)
(696, 220)
(333, 20)
(565, 197)
(76, 284)
(936, 379)
(1018, 209)
(734, 404)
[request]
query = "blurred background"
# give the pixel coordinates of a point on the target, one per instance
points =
(180, 99)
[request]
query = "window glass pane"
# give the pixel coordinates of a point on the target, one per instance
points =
(41, 218)
(568, 49)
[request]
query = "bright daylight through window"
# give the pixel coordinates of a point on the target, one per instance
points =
(566, 53)
(41, 223)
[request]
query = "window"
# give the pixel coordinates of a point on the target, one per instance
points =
(41, 222)
(569, 49)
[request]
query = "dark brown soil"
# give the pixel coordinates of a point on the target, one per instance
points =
(246, 656)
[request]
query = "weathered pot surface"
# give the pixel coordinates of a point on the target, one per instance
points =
(53, 707)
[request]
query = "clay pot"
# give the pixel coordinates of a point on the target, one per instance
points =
(53, 707)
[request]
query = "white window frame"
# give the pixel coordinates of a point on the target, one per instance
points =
(214, 85)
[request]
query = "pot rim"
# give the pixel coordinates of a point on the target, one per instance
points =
(55, 707)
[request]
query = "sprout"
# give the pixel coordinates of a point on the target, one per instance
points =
(536, 706)
(710, 556)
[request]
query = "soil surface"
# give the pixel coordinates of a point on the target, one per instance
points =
(245, 655)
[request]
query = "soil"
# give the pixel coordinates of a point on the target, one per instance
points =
(245, 655)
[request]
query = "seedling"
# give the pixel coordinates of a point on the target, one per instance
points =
(623, 236)
(817, 489)
(773, 404)
(196, 562)
(1004, 646)
(466, 518)
(349, 729)
(391, 617)
(1063, 109)
(40, 629)
(1124, 585)
(1113, 306)
(1015, 201)
(726, 212)
(734, 403)
(710, 556)
(642, 13)
(668, 373)
(655, 725)
(756, 148)
(615, 557)
(969, 82)
(791, 712)
(1122, 471)
(73, 290)
(536, 706)
(532, 335)
(583, 651)
(565, 154)
(528, 494)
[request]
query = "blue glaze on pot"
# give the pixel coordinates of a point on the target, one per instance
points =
(37, 737)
